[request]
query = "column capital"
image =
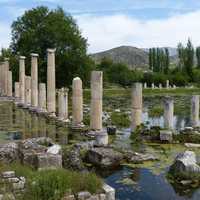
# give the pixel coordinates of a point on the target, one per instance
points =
(51, 50)
(22, 57)
(34, 55)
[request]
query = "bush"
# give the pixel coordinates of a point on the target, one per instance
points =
(120, 119)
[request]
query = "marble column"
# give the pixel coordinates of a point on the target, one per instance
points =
(34, 80)
(77, 103)
(195, 111)
(66, 104)
(27, 90)
(136, 110)
(42, 97)
(167, 84)
(17, 90)
(1, 78)
(168, 113)
(9, 86)
(61, 104)
(152, 86)
(51, 82)
(160, 86)
(96, 100)
(145, 85)
(6, 72)
(22, 78)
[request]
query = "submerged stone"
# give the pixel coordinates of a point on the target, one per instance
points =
(104, 157)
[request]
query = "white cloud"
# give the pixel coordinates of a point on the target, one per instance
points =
(110, 31)
(4, 35)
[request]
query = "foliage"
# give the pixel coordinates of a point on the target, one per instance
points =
(159, 60)
(39, 29)
(198, 56)
(120, 119)
(187, 138)
(53, 184)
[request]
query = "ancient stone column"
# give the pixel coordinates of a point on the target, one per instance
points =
(167, 84)
(96, 100)
(51, 84)
(22, 78)
(17, 90)
(136, 109)
(160, 86)
(9, 86)
(34, 80)
(195, 111)
(42, 97)
(61, 104)
(168, 113)
(27, 90)
(152, 86)
(77, 102)
(1, 78)
(145, 85)
(66, 104)
(6, 65)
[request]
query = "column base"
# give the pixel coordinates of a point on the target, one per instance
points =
(78, 126)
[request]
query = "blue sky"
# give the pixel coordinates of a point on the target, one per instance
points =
(110, 23)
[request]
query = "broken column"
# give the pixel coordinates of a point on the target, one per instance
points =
(136, 110)
(168, 113)
(167, 84)
(96, 100)
(22, 78)
(27, 91)
(42, 97)
(61, 104)
(34, 80)
(152, 86)
(77, 103)
(66, 105)
(51, 82)
(195, 111)
(9, 82)
(17, 90)
(145, 85)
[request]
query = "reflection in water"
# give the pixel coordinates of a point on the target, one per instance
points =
(17, 123)
(142, 184)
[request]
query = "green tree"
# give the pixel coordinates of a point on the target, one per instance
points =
(150, 59)
(167, 61)
(198, 56)
(189, 59)
(41, 28)
(180, 50)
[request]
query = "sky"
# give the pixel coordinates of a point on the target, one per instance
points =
(110, 23)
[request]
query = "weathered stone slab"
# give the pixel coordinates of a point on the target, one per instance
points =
(166, 135)
(192, 145)
(104, 157)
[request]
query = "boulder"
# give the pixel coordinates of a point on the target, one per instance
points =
(166, 135)
(185, 165)
(9, 152)
(104, 157)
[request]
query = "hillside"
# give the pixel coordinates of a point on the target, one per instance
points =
(132, 56)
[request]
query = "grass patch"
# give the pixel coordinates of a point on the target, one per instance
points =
(54, 184)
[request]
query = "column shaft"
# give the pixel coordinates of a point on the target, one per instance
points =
(51, 84)
(96, 100)
(27, 90)
(136, 110)
(22, 78)
(34, 80)
(168, 113)
(42, 97)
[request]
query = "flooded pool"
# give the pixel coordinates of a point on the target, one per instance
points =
(142, 182)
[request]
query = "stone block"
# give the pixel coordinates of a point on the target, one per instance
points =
(166, 135)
